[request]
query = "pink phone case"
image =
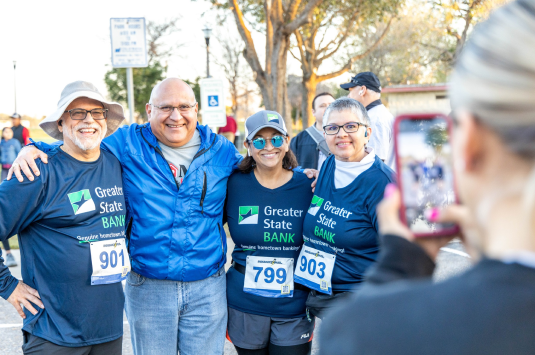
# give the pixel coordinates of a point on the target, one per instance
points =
(426, 116)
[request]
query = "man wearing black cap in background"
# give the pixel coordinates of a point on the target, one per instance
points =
(365, 87)
(21, 133)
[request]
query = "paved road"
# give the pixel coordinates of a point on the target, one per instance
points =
(451, 261)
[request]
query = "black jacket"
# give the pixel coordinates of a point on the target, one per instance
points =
(306, 150)
(490, 309)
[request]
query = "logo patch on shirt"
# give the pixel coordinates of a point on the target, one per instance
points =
(272, 117)
(81, 201)
(248, 215)
(315, 205)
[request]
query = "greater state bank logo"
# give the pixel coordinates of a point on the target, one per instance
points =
(81, 201)
(248, 215)
(315, 205)
(273, 117)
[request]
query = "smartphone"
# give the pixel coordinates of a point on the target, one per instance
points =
(423, 151)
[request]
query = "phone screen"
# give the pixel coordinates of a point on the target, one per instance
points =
(425, 171)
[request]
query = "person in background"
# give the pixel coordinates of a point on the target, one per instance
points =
(229, 131)
(9, 148)
(20, 133)
(340, 229)
(309, 146)
(366, 88)
(489, 308)
(265, 316)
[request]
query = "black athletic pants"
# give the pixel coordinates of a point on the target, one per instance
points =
(38, 346)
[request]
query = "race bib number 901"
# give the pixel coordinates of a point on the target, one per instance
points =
(269, 277)
(110, 261)
(315, 269)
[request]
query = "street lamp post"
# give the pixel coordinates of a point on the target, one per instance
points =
(15, 82)
(207, 32)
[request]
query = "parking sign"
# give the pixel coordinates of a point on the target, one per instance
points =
(128, 42)
(213, 102)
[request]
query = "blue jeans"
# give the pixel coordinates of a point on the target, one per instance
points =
(170, 316)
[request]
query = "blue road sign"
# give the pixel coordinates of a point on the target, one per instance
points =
(213, 100)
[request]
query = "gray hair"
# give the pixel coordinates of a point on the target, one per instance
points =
(347, 104)
(494, 78)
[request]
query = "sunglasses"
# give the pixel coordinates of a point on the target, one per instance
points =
(260, 143)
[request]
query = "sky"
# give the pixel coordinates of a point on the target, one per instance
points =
(56, 42)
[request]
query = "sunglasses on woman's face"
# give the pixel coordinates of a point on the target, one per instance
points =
(260, 143)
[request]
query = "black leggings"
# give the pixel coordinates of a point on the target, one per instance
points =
(303, 349)
(5, 243)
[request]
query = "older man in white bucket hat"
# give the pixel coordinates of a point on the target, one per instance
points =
(70, 225)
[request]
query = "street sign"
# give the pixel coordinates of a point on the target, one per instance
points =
(214, 112)
(128, 42)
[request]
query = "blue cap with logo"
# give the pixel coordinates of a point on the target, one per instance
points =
(367, 78)
(263, 119)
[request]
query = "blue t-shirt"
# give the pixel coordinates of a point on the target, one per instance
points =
(344, 221)
(70, 203)
(265, 222)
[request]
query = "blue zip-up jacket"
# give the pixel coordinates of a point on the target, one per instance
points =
(9, 150)
(175, 232)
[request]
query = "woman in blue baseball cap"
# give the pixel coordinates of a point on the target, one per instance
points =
(265, 209)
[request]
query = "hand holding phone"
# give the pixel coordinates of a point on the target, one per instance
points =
(424, 171)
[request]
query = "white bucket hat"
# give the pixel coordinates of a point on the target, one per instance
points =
(73, 91)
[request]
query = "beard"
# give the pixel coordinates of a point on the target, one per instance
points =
(86, 143)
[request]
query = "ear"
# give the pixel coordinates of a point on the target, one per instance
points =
(246, 144)
(148, 109)
(469, 141)
(60, 125)
(369, 131)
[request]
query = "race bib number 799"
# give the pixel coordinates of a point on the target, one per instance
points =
(314, 269)
(110, 261)
(269, 277)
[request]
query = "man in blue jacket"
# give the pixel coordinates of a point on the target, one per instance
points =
(175, 175)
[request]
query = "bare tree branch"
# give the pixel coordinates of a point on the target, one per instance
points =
(302, 18)
(353, 59)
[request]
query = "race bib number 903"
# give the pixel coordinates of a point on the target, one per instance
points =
(269, 277)
(315, 269)
(110, 261)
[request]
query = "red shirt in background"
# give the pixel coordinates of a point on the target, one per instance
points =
(231, 126)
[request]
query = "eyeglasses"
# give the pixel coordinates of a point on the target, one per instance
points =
(180, 108)
(79, 114)
(350, 127)
(260, 143)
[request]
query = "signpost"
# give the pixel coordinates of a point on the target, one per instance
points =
(213, 102)
(128, 50)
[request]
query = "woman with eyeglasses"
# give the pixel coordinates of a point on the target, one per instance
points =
(265, 208)
(340, 228)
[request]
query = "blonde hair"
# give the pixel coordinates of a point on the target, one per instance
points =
(494, 78)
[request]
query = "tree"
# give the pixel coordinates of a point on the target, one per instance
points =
(144, 81)
(401, 58)
(340, 20)
(457, 18)
(295, 96)
(144, 78)
(280, 19)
